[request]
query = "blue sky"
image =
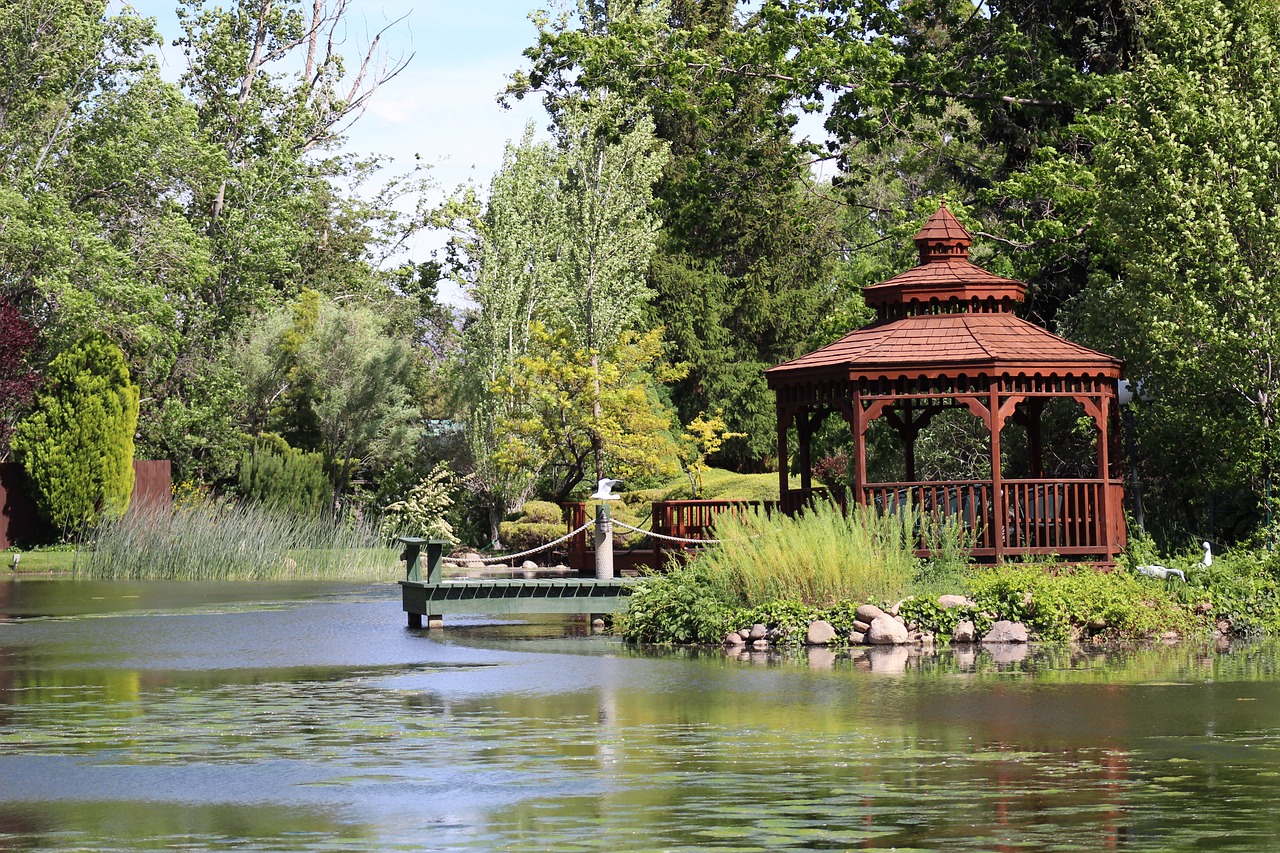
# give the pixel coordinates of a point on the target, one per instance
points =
(442, 106)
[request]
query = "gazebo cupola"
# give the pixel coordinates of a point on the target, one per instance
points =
(946, 337)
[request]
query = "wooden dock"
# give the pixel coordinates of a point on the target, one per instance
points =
(436, 596)
(506, 596)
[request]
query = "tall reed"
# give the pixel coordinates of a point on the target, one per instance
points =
(224, 540)
(818, 557)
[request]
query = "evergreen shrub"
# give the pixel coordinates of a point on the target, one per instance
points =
(284, 478)
(76, 445)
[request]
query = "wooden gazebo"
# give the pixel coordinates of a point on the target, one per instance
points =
(946, 337)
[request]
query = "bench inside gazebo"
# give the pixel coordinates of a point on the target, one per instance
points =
(946, 337)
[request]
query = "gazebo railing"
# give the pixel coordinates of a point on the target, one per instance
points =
(1040, 516)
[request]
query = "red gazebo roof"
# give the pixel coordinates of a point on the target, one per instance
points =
(947, 316)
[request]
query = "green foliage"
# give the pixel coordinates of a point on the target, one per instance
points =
(1083, 601)
(76, 445)
(745, 263)
(717, 484)
(225, 540)
(423, 511)
(1242, 588)
(702, 437)
(1188, 157)
(331, 379)
(577, 413)
(818, 557)
(926, 614)
(285, 479)
(539, 522)
(684, 605)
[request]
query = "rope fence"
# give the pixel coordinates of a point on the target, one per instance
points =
(504, 558)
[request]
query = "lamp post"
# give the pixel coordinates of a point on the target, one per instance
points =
(1125, 394)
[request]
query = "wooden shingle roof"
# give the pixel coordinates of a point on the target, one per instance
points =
(946, 316)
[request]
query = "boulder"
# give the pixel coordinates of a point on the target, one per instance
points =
(965, 632)
(887, 631)
(734, 640)
(867, 613)
(760, 645)
(820, 633)
(758, 632)
(857, 638)
(860, 626)
(528, 565)
(1005, 631)
(946, 602)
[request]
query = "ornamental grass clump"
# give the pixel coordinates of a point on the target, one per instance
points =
(226, 540)
(818, 557)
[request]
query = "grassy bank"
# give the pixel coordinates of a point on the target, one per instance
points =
(38, 562)
(785, 573)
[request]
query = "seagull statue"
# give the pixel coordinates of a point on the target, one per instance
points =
(604, 490)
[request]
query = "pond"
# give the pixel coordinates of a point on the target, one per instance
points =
(143, 716)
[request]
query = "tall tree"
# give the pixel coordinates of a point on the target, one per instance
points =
(1192, 215)
(748, 256)
(332, 379)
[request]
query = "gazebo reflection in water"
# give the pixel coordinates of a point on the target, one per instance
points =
(946, 338)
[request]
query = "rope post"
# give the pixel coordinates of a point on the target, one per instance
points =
(604, 542)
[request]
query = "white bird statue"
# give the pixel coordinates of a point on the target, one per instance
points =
(604, 490)
(1162, 573)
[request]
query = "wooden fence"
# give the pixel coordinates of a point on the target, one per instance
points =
(20, 524)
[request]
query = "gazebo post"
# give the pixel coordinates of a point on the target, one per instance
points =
(859, 426)
(1035, 450)
(805, 427)
(998, 516)
(1104, 474)
(784, 478)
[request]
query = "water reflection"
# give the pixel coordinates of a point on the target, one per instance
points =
(308, 718)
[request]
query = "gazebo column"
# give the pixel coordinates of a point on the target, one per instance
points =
(999, 518)
(806, 426)
(858, 425)
(1112, 538)
(1109, 536)
(785, 416)
(1035, 449)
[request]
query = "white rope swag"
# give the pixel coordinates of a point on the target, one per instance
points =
(505, 557)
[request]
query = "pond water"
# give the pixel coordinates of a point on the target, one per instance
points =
(144, 716)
